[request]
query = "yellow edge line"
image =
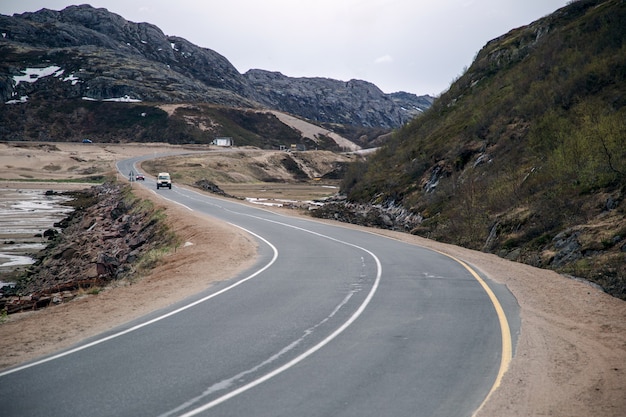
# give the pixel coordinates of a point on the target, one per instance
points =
(505, 330)
(507, 344)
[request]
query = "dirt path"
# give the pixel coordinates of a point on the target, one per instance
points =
(570, 360)
(312, 131)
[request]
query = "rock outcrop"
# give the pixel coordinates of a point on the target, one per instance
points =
(101, 240)
(382, 216)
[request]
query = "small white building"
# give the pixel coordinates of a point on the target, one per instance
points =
(223, 141)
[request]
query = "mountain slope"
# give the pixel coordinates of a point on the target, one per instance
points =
(85, 52)
(107, 56)
(525, 155)
(325, 100)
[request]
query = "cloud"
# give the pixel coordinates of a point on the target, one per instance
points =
(399, 45)
(383, 59)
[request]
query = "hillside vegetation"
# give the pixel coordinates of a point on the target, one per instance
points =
(525, 154)
(185, 123)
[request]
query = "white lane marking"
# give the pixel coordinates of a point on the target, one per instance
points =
(156, 319)
(269, 375)
(506, 351)
(309, 352)
(173, 201)
(228, 382)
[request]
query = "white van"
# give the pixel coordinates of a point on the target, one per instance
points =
(164, 180)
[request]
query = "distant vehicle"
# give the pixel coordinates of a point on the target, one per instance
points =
(140, 177)
(164, 180)
(87, 141)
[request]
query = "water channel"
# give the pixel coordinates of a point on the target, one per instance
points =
(25, 214)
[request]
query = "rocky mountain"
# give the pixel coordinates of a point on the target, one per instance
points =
(354, 102)
(524, 156)
(89, 53)
(96, 54)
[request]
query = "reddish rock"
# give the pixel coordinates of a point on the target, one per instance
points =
(98, 243)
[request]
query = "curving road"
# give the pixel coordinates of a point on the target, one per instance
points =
(330, 321)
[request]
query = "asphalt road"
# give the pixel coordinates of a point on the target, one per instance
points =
(330, 321)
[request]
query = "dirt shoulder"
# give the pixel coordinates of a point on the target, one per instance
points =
(570, 359)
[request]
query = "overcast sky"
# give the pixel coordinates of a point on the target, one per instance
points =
(418, 46)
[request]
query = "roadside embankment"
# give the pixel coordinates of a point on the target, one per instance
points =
(107, 236)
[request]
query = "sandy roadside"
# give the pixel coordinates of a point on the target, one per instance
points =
(25, 336)
(570, 359)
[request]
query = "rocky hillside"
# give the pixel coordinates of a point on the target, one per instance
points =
(354, 102)
(109, 236)
(524, 156)
(86, 53)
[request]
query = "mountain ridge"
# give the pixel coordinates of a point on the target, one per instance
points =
(111, 57)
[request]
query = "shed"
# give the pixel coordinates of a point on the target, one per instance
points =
(225, 141)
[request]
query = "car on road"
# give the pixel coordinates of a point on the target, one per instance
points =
(87, 141)
(140, 177)
(164, 180)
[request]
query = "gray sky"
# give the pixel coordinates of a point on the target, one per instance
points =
(418, 46)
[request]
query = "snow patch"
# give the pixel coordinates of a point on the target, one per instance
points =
(74, 79)
(125, 99)
(23, 99)
(31, 75)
